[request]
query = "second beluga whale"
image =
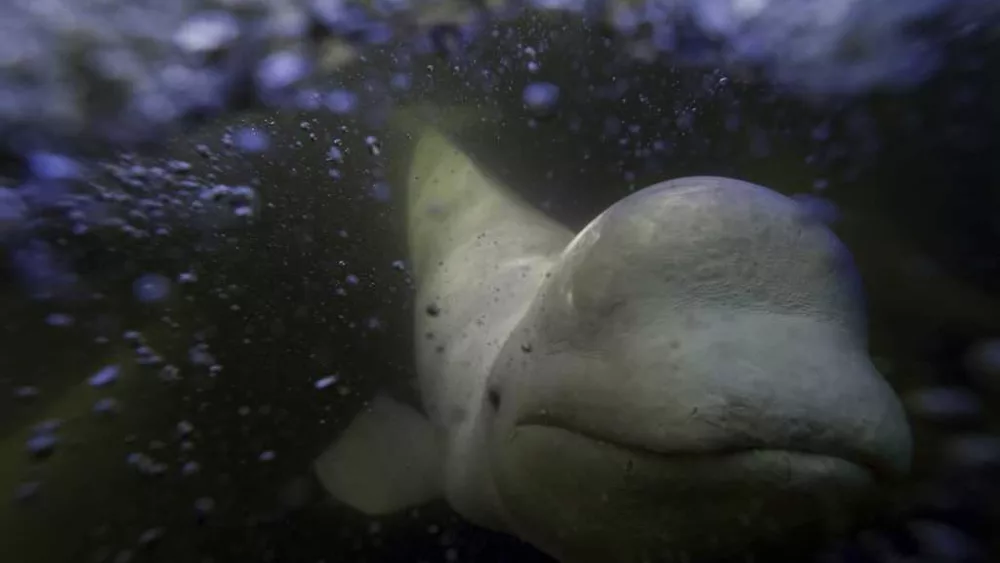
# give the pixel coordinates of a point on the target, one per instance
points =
(687, 377)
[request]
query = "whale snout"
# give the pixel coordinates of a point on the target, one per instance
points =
(728, 383)
(710, 438)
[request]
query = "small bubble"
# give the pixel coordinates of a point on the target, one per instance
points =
(169, 373)
(281, 70)
(341, 101)
(27, 491)
(179, 166)
(42, 445)
(204, 505)
(374, 145)
(133, 337)
(105, 376)
(47, 426)
(151, 536)
(207, 32)
(200, 356)
(540, 96)
(26, 392)
(944, 404)
(327, 381)
(51, 166)
(266, 455)
(150, 288)
(252, 140)
(818, 208)
(309, 100)
(59, 319)
(380, 192)
(400, 81)
(184, 428)
(13, 210)
(399, 265)
(105, 406)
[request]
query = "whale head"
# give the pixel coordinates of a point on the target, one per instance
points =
(691, 380)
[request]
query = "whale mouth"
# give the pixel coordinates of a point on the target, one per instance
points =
(755, 456)
(574, 494)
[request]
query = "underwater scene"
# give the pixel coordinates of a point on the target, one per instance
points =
(487, 281)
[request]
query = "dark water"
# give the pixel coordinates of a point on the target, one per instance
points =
(911, 174)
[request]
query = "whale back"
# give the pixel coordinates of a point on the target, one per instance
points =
(479, 254)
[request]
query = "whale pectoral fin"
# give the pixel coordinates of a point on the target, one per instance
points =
(390, 458)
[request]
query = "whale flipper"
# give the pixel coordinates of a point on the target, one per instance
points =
(389, 459)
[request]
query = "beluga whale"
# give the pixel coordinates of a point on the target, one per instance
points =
(685, 379)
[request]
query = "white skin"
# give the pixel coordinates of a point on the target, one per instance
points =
(687, 375)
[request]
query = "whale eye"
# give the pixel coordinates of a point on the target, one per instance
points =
(493, 396)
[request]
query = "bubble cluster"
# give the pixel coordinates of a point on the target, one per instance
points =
(158, 64)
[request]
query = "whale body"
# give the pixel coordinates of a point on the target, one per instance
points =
(685, 378)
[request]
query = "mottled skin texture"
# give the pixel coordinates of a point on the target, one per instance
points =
(688, 375)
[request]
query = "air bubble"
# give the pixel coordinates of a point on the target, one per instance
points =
(184, 428)
(51, 166)
(105, 406)
(380, 192)
(207, 32)
(42, 445)
(13, 210)
(325, 382)
(27, 491)
(59, 319)
(540, 96)
(26, 392)
(151, 536)
(151, 288)
(204, 505)
(818, 208)
(252, 140)
(944, 404)
(281, 71)
(341, 101)
(105, 376)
